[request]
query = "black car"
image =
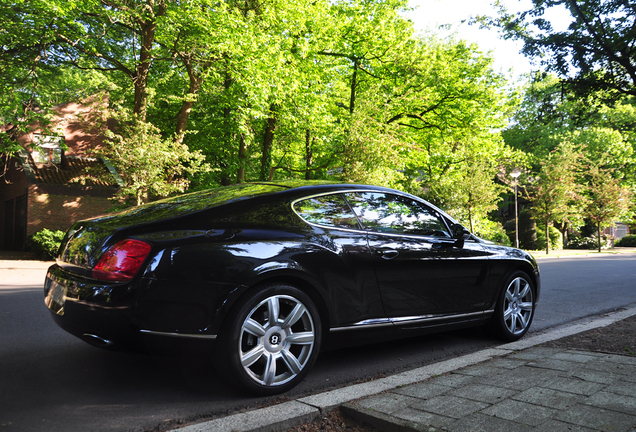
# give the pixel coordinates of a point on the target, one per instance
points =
(263, 273)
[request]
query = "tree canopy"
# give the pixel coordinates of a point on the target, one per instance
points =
(597, 51)
(230, 91)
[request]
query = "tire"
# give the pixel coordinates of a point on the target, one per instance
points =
(265, 356)
(515, 308)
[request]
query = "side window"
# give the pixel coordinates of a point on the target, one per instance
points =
(328, 210)
(396, 214)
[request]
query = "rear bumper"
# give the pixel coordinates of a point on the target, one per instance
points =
(90, 311)
(108, 316)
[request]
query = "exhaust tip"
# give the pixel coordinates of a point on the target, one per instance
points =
(97, 341)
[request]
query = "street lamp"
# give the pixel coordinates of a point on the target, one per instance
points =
(514, 174)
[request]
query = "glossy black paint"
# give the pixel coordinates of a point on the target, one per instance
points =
(209, 248)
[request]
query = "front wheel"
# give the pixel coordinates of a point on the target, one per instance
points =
(272, 339)
(515, 308)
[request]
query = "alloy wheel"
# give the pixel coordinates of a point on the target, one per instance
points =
(518, 306)
(276, 340)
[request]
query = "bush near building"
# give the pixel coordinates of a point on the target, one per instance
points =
(45, 243)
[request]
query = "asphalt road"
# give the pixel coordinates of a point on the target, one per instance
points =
(51, 381)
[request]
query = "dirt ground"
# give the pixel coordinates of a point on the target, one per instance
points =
(617, 338)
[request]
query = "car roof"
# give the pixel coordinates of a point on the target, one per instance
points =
(194, 202)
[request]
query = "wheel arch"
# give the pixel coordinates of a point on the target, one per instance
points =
(524, 267)
(294, 280)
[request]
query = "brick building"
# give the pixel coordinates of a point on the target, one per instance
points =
(45, 186)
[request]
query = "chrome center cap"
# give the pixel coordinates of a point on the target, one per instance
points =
(274, 338)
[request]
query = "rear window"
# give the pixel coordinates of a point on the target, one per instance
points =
(327, 210)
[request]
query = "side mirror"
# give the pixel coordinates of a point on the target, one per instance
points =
(459, 232)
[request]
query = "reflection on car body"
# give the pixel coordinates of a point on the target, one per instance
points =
(263, 273)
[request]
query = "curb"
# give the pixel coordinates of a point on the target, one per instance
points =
(279, 418)
(576, 253)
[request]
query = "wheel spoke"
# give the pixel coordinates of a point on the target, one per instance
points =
(294, 316)
(270, 370)
(524, 292)
(513, 323)
(507, 313)
(522, 321)
(273, 310)
(509, 296)
(250, 357)
(302, 338)
(254, 328)
(291, 361)
(527, 306)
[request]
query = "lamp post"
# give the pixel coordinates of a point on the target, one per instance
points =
(514, 174)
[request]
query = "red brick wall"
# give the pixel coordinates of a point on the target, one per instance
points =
(58, 208)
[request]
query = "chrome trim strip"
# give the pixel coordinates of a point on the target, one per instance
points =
(179, 335)
(382, 322)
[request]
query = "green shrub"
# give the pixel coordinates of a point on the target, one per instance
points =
(556, 240)
(493, 231)
(501, 239)
(45, 244)
(591, 242)
(629, 240)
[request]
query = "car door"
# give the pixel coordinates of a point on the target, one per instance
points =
(342, 261)
(424, 274)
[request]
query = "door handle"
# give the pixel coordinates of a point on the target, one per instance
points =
(388, 254)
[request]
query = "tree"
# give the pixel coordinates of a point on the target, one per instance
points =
(149, 165)
(448, 110)
(607, 200)
(596, 51)
(554, 193)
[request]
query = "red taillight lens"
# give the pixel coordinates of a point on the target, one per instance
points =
(121, 261)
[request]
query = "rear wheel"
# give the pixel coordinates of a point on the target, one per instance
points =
(272, 339)
(515, 308)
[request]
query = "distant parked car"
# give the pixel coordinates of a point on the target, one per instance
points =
(264, 272)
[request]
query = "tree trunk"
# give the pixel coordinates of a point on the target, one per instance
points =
(147, 27)
(547, 238)
(242, 155)
(188, 102)
(598, 236)
(354, 85)
(268, 142)
(309, 156)
(226, 173)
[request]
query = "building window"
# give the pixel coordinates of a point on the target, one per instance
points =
(47, 149)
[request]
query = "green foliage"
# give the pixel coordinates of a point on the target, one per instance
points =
(594, 46)
(45, 243)
(527, 230)
(555, 193)
(493, 231)
(270, 90)
(590, 243)
(556, 241)
(606, 199)
(149, 165)
(627, 241)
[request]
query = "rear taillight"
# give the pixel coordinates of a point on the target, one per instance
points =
(121, 261)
